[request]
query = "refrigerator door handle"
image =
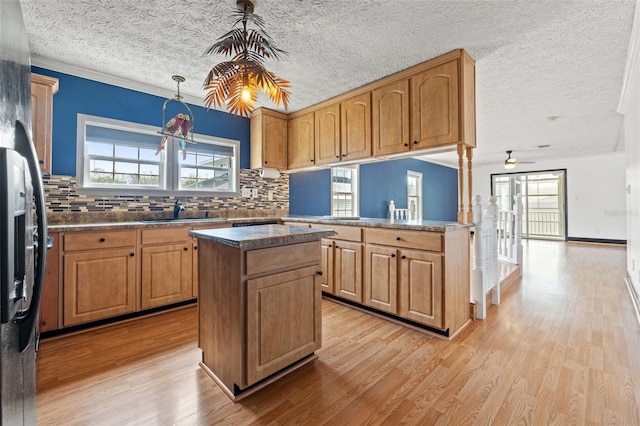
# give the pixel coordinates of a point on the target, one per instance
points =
(30, 317)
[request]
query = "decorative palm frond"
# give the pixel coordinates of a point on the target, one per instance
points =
(245, 72)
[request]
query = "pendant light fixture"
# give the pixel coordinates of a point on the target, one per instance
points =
(237, 82)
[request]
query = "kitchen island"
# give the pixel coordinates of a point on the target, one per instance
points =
(417, 272)
(259, 307)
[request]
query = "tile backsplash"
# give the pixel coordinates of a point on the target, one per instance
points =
(65, 205)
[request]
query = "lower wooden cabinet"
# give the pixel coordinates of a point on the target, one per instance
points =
(282, 321)
(421, 287)
(381, 280)
(50, 303)
(167, 274)
(347, 273)
(326, 263)
(99, 284)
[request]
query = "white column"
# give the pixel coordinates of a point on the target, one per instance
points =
(517, 244)
(477, 287)
(491, 221)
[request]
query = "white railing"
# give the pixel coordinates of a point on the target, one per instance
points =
(495, 234)
(402, 214)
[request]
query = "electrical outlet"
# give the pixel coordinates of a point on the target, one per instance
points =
(254, 193)
(246, 192)
(270, 196)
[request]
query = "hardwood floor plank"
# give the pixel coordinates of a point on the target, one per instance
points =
(562, 348)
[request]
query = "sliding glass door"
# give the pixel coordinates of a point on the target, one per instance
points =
(543, 199)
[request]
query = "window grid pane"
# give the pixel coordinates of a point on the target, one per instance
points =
(343, 188)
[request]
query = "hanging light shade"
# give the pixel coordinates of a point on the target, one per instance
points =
(237, 82)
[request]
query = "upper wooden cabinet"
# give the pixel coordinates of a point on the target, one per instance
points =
(327, 124)
(391, 118)
(443, 104)
(301, 141)
(42, 90)
(268, 139)
(355, 115)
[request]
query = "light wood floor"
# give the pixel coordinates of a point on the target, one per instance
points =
(563, 348)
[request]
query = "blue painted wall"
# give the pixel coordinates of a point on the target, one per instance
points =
(79, 95)
(310, 192)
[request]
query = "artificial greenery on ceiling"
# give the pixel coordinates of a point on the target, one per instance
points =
(237, 82)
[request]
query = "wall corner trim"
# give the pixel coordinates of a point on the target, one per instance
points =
(632, 67)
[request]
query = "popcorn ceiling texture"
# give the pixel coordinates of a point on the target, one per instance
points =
(65, 205)
(534, 59)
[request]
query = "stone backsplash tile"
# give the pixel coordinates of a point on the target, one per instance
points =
(65, 205)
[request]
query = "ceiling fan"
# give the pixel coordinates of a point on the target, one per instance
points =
(510, 162)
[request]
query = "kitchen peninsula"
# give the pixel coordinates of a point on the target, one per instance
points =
(417, 272)
(259, 303)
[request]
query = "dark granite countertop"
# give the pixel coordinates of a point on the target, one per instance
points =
(415, 225)
(261, 236)
(150, 224)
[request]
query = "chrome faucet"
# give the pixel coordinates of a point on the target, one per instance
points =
(177, 208)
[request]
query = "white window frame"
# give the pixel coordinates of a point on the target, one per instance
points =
(355, 205)
(419, 201)
(169, 159)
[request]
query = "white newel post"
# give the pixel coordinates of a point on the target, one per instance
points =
(517, 244)
(477, 287)
(392, 209)
(491, 257)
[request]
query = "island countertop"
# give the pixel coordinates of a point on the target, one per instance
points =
(252, 237)
(414, 225)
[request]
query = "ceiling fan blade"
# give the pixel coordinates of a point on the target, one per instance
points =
(525, 162)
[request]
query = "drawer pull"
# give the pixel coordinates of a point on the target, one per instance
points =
(393, 255)
(185, 249)
(319, 273)
(132, 254)
(415, 142)
(337, 246)
(398, 238)
(404, 257)
(102, 240)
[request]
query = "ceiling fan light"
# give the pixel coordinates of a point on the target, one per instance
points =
(509, 165)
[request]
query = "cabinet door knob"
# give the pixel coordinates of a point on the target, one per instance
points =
(337, 246)
(311, 161)
(265, 161)
(398, 238)
(337, 156)
(344, 155)
(406, 144)
(40, 161)
(186, 248)
(415, 142)
(404, 257)
(393, 255)
(102, 240)
(195, 247)
(132, 254)
(330, 246)
(319, 273)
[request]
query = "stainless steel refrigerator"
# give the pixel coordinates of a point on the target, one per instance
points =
(23, 225)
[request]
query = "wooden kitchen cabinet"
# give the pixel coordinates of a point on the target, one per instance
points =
(391, 118)
(301, 141)
(327, 128)
(348, 270)
(50, 302)
(421, 287)
(167, 262)
(326, 264)
(381, 279)
(99, 270)
(268, 139)
(355, 127)
(443, 104)
(42, 90)
(194, 260)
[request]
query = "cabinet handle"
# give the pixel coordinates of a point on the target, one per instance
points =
(102, 240)
(131, 254)
(40, 161)
(337, 246)
(195, 247)
(404, 257)
(415, 142)
(337, 156)
(393, 255)
(319, 273)
(398, 238)
(406, 144)
(330, 246)
(311, 161)
(265, 161)
(186, 248)
(344, 155)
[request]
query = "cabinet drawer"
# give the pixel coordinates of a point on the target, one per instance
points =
(99, 240)
(346, 233)
(165, 236)
(431, 241)
(283, 257)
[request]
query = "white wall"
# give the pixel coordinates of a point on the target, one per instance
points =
(630, 107)
(596, 198)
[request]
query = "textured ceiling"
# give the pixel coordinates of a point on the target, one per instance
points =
(548, 72)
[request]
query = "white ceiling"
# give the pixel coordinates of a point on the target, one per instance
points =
(548, 72)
